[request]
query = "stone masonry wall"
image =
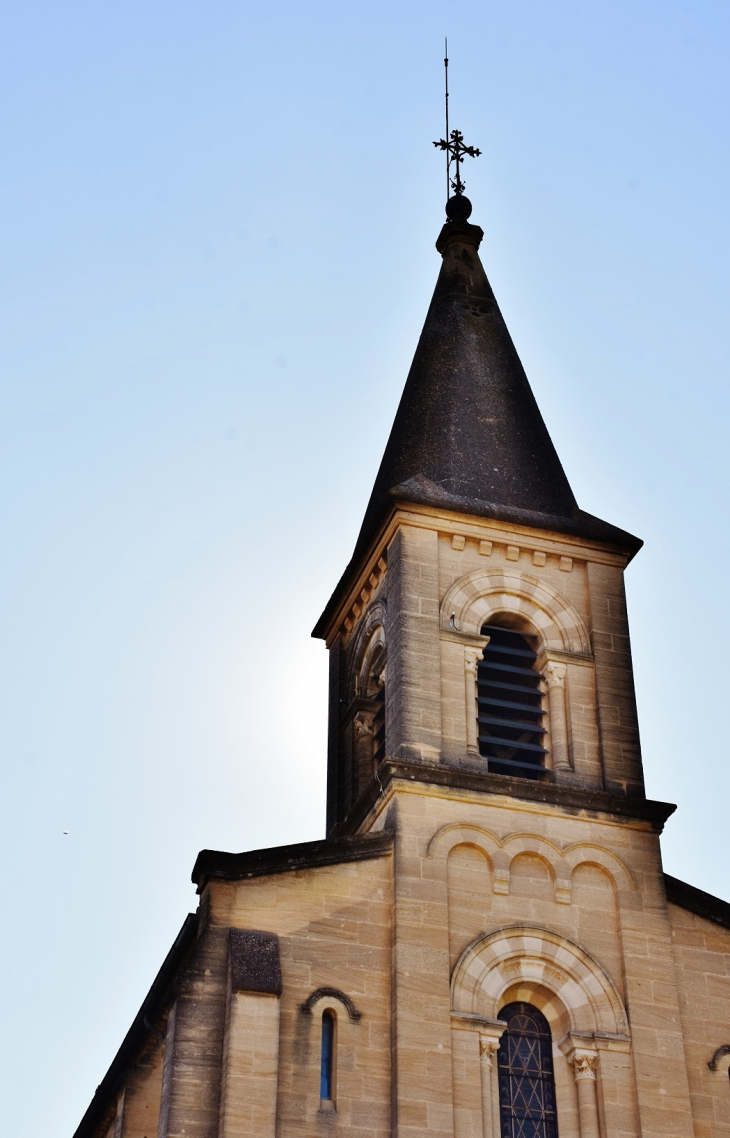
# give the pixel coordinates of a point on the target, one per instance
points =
(702, 960)
(335, 931)
(467, 865)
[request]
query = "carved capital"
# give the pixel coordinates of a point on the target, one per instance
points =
(488, 1048)
(584, 1064)
(472, 656)
(555, 674)
(363, 723)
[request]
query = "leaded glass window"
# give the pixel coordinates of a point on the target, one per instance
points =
(526, 1081)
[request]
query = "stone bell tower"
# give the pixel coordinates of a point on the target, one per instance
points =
(472, 516)
(484, 945)
(482, 710)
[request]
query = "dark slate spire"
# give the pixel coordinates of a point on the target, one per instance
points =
(468, 422)
(468, 435)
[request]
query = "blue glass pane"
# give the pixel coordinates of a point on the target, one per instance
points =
(328, 1040)
(526, 1082)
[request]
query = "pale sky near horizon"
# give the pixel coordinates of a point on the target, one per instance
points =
(218, 234)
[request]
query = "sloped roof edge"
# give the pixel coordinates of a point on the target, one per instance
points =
(697, 901)
(140, 1029)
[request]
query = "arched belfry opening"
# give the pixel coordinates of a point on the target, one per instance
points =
(375, 693)
(510, 711)
(362, 724)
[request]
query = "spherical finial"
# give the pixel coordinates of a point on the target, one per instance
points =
(458, 208)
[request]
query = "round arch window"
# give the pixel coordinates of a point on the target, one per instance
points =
(526, 1080)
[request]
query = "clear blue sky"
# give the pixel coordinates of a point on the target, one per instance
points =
(217, 251)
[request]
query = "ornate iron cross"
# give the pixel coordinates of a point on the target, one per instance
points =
(455, 151)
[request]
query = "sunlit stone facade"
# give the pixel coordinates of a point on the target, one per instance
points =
(446, 894)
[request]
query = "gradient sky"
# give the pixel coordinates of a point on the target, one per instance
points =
(218, 232)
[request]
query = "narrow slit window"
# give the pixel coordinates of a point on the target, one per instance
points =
(526, 1080)
(326, 1082)
(510, 706)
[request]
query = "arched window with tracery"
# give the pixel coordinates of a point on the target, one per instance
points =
(526, 1080)
(510, 703)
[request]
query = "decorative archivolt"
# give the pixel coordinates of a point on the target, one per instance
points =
(329, 994)
(533, 964)
(473, 599)
(369, 640)
(560, 862)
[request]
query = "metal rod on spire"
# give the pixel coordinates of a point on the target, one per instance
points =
(454, 145)
(446, 83)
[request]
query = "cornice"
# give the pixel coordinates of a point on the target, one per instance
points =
(220, 866)
(569, 799)
(349, 590)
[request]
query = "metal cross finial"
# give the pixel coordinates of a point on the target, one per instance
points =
(453, 144)
(455, 151)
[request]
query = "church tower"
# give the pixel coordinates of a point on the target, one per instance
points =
(484, 945)
(471, 526)
(482, 711)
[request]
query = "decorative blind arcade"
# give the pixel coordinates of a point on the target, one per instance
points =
(526, 1081)
(509, 703)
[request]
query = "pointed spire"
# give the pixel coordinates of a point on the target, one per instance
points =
(468, 423)
(468, 435)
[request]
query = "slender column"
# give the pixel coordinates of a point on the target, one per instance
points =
(496, 1117)
(488, 1048)
(363, 726)
(555, 675)
(584, 1065)
(472, 656)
